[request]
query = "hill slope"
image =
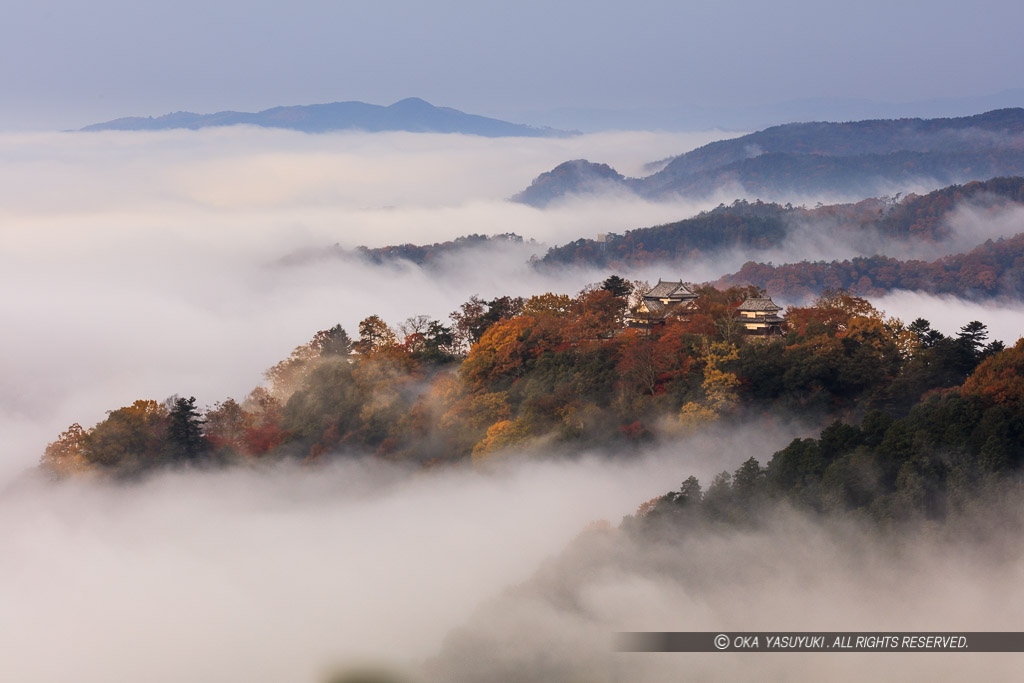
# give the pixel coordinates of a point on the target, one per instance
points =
(993, 269)
(862, 157)
(764, 225)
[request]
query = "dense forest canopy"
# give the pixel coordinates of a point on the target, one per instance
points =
(993, 269)
(554, 372)
(952, 446)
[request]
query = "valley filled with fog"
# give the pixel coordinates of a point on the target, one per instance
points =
(144, 265)
(147, 264)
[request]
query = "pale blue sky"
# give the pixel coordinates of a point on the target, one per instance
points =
(66, 63)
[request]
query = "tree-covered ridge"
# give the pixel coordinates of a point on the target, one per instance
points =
(993, 269)
(578, 176)
(784, 174)
(925, 215)
(932, 462)
(795, 159)
(683, 240)
(743, 224)
(433, 254)
(552, 371)
(761, 225)
(990, 130)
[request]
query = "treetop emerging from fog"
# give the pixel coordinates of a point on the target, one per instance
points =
(550, 371)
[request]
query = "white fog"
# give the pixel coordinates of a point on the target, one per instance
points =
(141, 265)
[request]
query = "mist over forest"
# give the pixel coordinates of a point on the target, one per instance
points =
(149, 265)
(157, 252)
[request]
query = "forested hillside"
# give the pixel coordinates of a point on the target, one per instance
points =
(866, 518)
(953, 446)
(550, 372)
(993, 269)
(759, 225)
(430, 255)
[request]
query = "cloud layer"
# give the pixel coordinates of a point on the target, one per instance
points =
(147, 264)
(282, 574)
(142, 265)
(792, 573)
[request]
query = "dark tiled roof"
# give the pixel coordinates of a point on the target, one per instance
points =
(759, 304)
(654, 306)
(670, 290)
(662, 290)
(657, 310)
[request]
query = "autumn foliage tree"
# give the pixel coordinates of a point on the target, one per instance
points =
(564, 370)
(130, 438)
(66, 455)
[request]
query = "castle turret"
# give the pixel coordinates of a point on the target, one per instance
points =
(760, 316)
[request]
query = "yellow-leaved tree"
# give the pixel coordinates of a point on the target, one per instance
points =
(501, 435)
(719, 388)
(65, 455)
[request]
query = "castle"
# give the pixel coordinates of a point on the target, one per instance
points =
(664, 300)
(758, 315)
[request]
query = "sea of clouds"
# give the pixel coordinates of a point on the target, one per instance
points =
(141, 265)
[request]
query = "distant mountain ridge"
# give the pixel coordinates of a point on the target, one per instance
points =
(411, 115)
(809, 158)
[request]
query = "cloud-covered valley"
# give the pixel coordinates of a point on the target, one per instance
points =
(149, 264)
(141, 265)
